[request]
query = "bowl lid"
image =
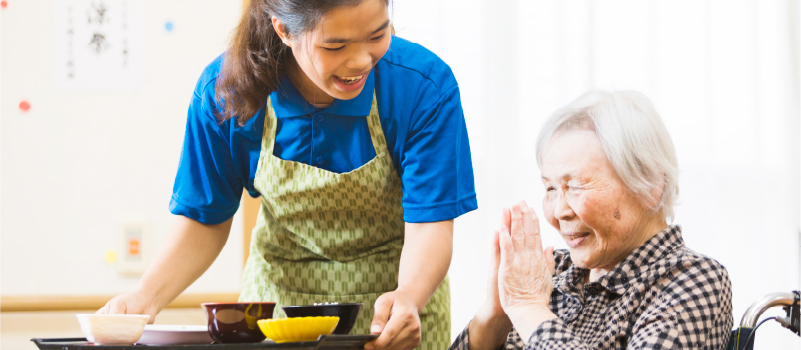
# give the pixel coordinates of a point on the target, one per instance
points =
(238, 303)
(324, 305)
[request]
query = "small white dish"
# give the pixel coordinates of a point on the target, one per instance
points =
(165, 334)
(112, 329)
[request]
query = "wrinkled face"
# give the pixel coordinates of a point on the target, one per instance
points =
(339, 53)
(598, 218)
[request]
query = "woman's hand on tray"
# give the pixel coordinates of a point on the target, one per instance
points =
(397, 321)
(131, 303)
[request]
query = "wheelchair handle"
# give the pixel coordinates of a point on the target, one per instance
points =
(762, 304)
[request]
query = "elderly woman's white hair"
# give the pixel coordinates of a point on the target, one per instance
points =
(634, 139)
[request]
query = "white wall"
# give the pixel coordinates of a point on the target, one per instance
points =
(722, 74)
(80, 163)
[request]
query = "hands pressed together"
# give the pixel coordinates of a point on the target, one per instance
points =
(520, 280)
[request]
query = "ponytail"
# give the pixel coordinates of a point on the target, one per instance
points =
(252, 65)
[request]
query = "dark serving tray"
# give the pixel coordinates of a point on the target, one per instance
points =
(325, 342)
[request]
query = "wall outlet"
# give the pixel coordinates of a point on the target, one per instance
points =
(134, 254)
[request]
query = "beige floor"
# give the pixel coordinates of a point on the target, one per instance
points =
(17, 328)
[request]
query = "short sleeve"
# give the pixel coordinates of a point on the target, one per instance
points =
(437, 171)
(206, 187)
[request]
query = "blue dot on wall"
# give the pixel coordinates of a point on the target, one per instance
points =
(168, 26)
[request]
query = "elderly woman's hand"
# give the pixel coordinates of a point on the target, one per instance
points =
(490, 325)
(525, 271)
(492, 304)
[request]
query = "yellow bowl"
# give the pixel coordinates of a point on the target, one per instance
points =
(293, 329)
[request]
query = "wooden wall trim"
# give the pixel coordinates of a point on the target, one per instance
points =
(20, 303)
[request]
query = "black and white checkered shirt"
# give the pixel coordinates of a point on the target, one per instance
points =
(661, 296)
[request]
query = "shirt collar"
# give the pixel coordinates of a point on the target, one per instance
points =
(635, 268)
(288, 102)
(641, 264)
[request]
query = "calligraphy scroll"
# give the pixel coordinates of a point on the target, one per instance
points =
(99, 44)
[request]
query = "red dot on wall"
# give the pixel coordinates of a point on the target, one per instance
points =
(24, 106)
(3, 4)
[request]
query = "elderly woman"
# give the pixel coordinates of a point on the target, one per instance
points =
(627, 280)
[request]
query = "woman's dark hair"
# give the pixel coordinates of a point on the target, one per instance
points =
(254, 61)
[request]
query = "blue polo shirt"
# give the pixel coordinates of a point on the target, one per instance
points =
(421, 115)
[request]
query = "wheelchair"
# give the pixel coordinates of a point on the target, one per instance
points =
(742, 338)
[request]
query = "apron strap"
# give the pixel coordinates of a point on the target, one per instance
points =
(376, 132)
(270, 122)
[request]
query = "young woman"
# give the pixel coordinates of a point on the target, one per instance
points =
(356, 142)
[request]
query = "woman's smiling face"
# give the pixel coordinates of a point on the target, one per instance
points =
(599, 219)
(336, 57)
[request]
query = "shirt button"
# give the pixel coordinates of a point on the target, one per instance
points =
(320, 160)
(592, 291)
(321, 117)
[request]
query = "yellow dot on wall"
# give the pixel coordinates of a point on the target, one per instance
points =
(111, 257)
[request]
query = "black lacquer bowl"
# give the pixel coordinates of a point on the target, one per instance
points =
(347, 313)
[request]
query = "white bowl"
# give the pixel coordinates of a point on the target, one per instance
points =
(112, 328)
(164, 334)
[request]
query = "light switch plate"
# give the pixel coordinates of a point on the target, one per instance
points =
(134, 248)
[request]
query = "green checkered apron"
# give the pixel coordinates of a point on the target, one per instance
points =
(328, 237)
